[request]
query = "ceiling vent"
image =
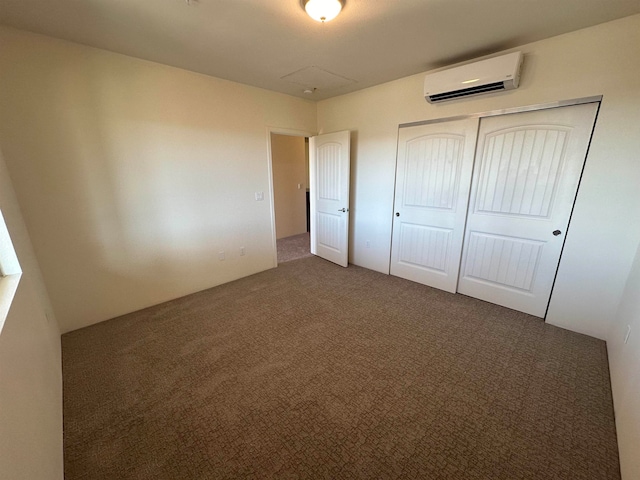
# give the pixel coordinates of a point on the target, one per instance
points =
(491, 75)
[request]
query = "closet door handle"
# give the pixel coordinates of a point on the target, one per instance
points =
(556, 232)
(397, 214)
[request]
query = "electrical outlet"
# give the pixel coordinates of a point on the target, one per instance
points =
(221, 256)
(259, 196)
(241, 251)
(626, 337)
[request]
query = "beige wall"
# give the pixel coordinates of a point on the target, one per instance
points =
(132, 176)
(624, 360)
(289, 171)
(601, 241)
(30, 366)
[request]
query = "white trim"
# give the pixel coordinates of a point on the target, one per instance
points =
(278, 131)
(10, 272)
(506, 111)
(8, 287)
(9, 264)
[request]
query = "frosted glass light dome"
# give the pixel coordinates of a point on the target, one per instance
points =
(323, 10)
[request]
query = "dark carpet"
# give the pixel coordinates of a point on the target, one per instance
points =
(312, 371)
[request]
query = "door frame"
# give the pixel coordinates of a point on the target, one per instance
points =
(291, 133)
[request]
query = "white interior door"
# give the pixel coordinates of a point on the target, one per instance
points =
(329, 166)
(433, 178)
(526, 176)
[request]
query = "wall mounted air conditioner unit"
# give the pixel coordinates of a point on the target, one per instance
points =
(485, 76)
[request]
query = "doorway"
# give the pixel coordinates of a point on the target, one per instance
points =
(290, 179)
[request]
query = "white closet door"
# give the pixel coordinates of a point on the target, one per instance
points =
(526, 176)
(433, 177)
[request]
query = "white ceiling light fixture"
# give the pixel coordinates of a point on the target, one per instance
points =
(323, 10)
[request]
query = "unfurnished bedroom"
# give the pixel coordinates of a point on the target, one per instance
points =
(308, 239)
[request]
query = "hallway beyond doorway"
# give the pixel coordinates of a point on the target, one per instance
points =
(294, 247)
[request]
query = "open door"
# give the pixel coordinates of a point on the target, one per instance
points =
(329, 167)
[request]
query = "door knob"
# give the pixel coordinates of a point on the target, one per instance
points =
(342, 210)
(397, 214)
(557, 232)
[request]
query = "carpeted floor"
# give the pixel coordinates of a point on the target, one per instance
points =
(314, 371)
(293, 248)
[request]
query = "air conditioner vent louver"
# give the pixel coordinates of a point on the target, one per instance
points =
(491, 75)
(465, 92)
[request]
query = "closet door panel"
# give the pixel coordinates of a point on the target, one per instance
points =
(526, 176)
(433, 176)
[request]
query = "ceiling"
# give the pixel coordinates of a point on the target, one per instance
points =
(273, 44)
